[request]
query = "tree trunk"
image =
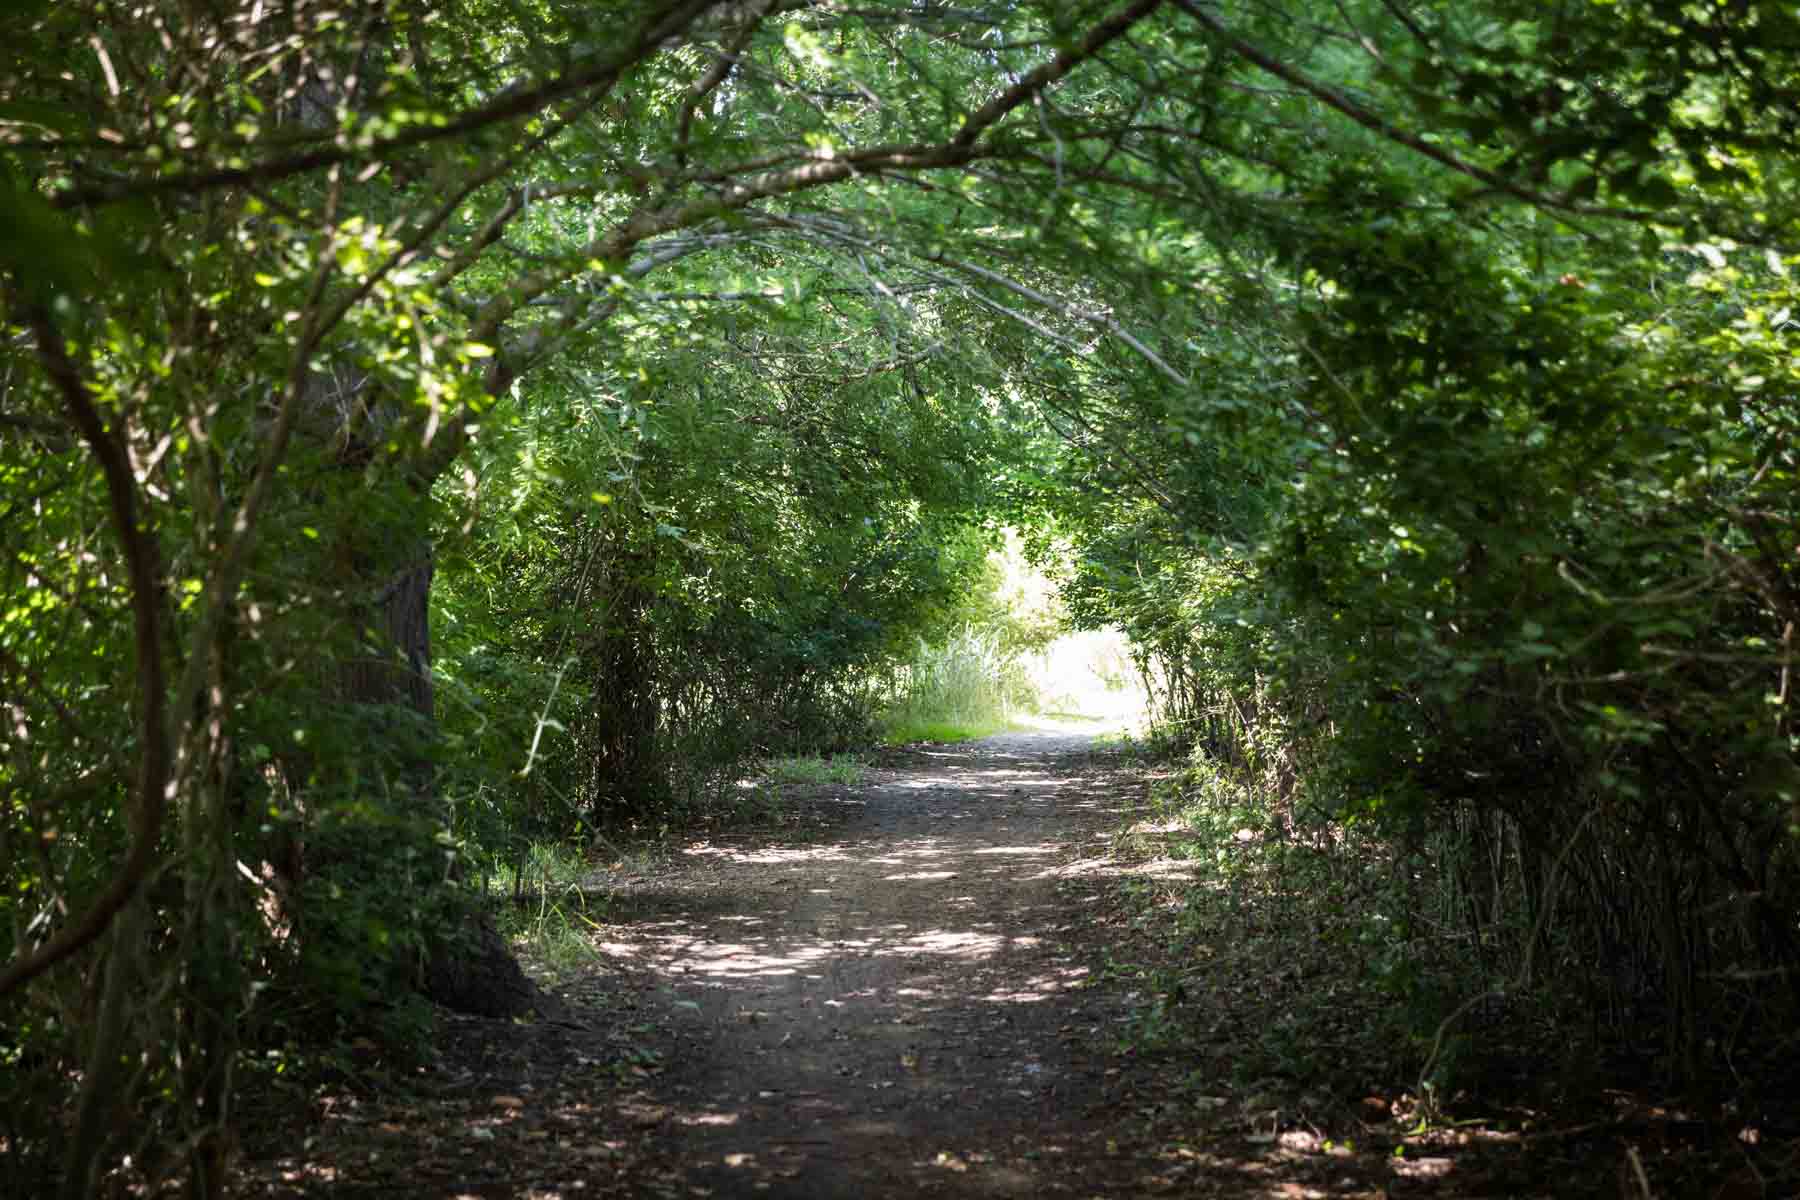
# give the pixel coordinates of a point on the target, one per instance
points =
(620, 730)
(469, 969)
(380, 567)
(393, 664)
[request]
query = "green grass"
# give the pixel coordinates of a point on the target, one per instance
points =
(544, 911)
(902, 733)
(844, 769)
(545, 866)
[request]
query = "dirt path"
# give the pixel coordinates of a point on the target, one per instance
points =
(898, 1010)
(900, 1001)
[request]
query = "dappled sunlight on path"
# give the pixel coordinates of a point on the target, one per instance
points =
(860, 1010)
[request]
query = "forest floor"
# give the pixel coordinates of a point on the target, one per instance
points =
(941, 981)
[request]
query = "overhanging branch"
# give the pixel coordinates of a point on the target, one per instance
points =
(597, 76)
(1387, 129)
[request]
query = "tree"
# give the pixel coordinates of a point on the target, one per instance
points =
(1281, 275)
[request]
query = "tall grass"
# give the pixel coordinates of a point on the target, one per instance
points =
(968, 686)
(1013, 655)
(548, 919)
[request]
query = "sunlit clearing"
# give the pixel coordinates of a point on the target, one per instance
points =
(1089, 675)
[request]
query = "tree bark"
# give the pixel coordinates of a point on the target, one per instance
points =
(393, 663)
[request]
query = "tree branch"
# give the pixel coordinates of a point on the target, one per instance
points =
(1382, 126)
(1036, 80)
(715, 75)
(144, 570)
(601, 73)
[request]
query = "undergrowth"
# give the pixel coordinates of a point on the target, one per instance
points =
(1320, 967)
(546, 912)
(1304, 937)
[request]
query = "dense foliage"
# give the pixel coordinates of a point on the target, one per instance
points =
(1491, 541)
(428, 425)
